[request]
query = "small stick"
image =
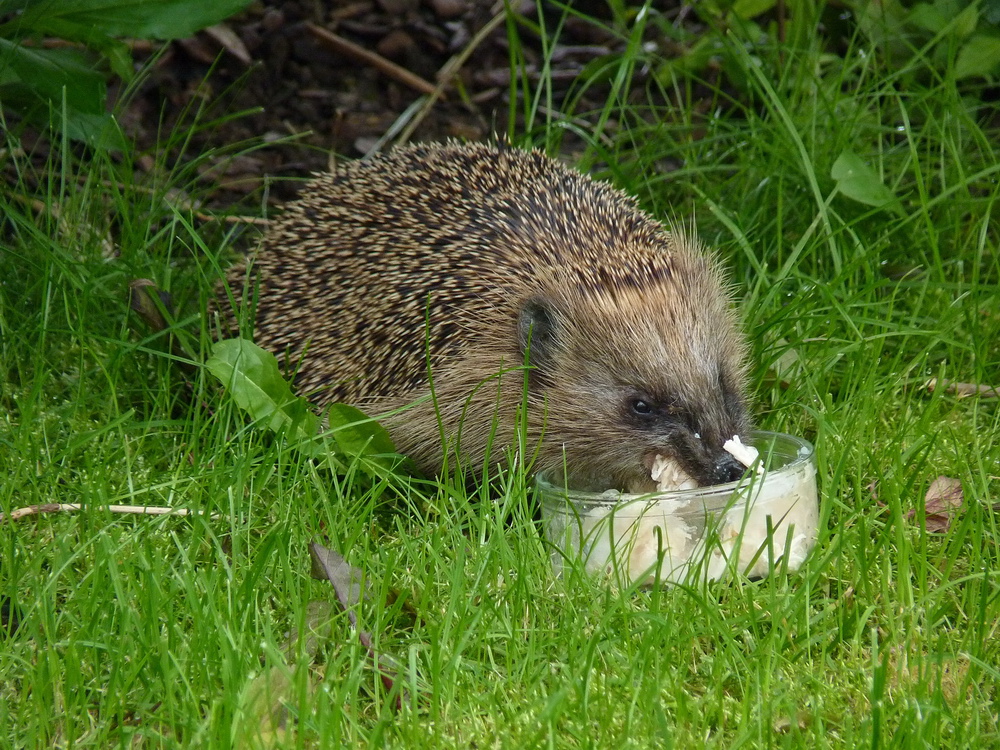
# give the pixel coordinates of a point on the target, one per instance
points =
(963, 390)
(389, 68)
(448, 72)
(232, 219)
(150, 510)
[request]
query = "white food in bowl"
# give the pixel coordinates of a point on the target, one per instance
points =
(691, 534)
(634, 542)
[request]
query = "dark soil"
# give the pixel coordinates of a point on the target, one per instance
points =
(311, 102)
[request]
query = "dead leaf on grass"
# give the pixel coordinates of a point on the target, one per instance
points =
(787, 367)
(783, 724)
(351, 586)
(348, 581)
(942, 502)
(205, 47)
(149, 303)
(268, 711)
(319, 618)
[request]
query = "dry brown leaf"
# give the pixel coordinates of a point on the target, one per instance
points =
(319, 618)
(348, 581)
(351, 586)
(943, 500)
(783, 724)
(149, 302)
(230, 42)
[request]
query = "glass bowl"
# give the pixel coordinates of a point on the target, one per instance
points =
(754, 525)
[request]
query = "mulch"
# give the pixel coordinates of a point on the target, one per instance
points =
(318, 80)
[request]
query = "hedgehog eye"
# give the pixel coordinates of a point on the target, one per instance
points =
(642, 408)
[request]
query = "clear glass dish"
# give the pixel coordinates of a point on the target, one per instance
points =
(754, 525)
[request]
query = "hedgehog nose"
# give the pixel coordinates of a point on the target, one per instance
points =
(727, 469)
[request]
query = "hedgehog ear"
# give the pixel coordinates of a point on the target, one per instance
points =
(537, 329)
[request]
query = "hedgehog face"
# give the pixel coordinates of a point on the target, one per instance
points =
(625, 377)
(689, 433)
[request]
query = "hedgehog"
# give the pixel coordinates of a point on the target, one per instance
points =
(491, 305)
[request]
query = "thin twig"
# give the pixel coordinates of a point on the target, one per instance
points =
(232, 219)
(149, 510)
(448, 72)
(344, 47)
(963, 390)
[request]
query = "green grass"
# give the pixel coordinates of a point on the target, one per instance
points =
(156, 632)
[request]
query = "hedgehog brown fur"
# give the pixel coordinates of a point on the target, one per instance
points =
(464, 258)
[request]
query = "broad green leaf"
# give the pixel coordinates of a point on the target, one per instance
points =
(945, 15)
(357, 434)
(980, 56)
(97, 131)
(51, 72)
(858, 181)
(747, 9)
(881, 22)
(927, 17)
(146, 19)
(694, 59)
(966, 21)
(114, 50)
(254, 379)
(60, 89)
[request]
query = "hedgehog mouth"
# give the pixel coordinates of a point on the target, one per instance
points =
(648, 459)
(655, 456)
(658, 470)
(670, 469)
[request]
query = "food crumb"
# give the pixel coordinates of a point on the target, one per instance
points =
(745, 454)
(668, 475)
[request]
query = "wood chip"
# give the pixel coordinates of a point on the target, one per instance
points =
(230, 41)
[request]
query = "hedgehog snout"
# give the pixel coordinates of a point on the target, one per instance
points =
(727, 469)
(702, 456)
